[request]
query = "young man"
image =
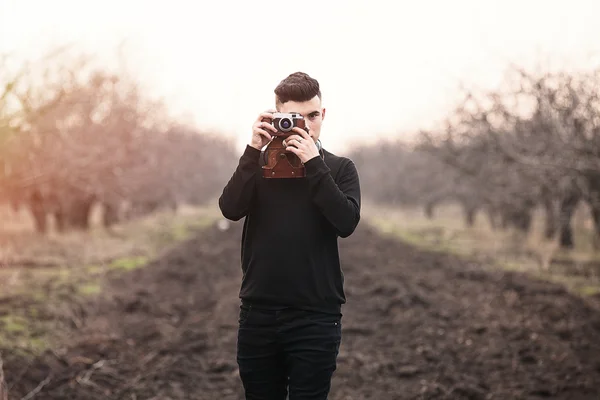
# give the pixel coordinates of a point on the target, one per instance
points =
(292, 288)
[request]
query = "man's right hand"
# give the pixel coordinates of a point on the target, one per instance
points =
(260, 130)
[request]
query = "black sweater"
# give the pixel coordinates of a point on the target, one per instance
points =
(289, 248)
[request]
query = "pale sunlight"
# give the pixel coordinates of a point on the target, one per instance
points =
(386, 67)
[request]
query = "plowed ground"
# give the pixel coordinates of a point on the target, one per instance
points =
(417, 325)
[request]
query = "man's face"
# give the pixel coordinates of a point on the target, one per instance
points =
(312, 112)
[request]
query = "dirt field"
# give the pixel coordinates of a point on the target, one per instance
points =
(417, 325)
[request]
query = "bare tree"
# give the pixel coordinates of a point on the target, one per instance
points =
(547, 157)
(532, 143)
(82, 135)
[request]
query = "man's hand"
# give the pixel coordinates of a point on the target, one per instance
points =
(260, 134)
(302, 145)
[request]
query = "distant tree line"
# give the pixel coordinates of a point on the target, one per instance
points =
(73, 136)
(532, 144)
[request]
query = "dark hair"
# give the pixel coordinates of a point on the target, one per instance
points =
(298, 86)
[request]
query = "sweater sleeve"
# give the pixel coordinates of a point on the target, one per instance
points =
(238, 193)
(339, 202)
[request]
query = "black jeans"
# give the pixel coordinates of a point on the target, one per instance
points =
(281, 350)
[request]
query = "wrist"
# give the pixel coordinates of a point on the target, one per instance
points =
(316, 166)
(310, 158)
(251, 154)
(255, 145)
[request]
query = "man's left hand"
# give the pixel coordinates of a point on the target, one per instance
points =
(302, 145)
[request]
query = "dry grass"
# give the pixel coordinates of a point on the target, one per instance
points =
(578, 269)
(39, 273)
(20, 245)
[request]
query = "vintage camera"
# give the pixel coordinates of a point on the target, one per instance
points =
(278, 162)
(285, 122)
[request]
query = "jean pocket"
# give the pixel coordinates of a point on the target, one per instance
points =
(329, 328)
(325, 319)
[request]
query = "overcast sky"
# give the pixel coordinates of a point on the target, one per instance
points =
(385, 67)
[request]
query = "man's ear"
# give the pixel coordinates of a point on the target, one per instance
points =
(323, 113)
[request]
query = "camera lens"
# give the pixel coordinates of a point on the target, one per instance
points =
(285, 124)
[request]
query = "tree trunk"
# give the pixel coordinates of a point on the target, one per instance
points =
(593, 200)
(551, 219)
(79, 213)
(565, 214)
(429, 209)
(596, 217)
(523, 220)
(3, 388)
(110, 214)
(470, 214)
(38, 212)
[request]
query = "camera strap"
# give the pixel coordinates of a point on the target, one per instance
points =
(320, 147)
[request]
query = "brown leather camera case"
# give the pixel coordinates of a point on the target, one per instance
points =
(281, 163)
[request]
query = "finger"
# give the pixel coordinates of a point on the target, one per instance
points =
(263, 124)
(270, 126)
(301, 132)
(294, 142)
(293, 150)
(267, 114)
(263, 133)
(293, 137)
(287, 141)
(303, 140)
